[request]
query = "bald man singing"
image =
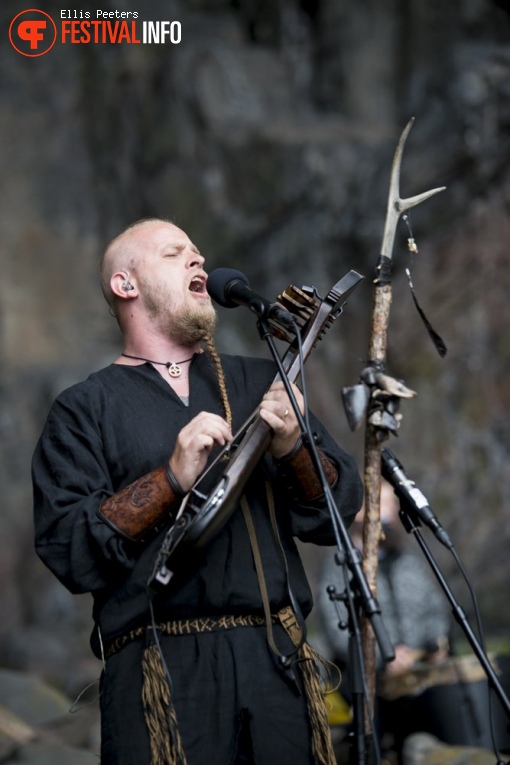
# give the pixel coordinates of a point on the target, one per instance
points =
(191, 674)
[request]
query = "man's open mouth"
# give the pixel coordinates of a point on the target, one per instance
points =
(197, 284)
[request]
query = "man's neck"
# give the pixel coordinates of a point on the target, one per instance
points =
(157, 347)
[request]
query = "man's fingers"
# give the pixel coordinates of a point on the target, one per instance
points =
(194, 443)
(207, 424)
(277, 393)
(278, 416)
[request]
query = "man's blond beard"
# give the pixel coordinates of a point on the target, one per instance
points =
(187, 326)
(191, 326)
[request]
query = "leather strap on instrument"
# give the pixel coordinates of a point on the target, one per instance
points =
(139, 507)
(291, 626)
(306, 657)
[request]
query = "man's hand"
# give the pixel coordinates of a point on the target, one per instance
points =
(194, 444)
(277, 411)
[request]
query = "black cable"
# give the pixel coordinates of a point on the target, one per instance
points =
(478, 619)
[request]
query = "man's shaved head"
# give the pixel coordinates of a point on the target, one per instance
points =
(166, 280)
(122, 254)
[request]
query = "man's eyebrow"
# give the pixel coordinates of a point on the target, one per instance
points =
(180, 246)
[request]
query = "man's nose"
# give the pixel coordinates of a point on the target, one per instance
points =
(195, 259)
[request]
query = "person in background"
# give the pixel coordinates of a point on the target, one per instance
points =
(413, 609)
(215, 666)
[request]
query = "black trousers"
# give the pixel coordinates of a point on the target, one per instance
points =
(234, 705)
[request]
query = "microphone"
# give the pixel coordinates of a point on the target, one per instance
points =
(231, 288)
(406, 489)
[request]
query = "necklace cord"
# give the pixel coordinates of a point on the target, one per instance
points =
(174, 370)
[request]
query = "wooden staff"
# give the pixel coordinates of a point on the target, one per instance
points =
(381, 417)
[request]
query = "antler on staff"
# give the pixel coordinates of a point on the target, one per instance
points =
(397, 205)
(382, 393)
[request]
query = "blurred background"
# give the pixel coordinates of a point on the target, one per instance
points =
(267, 134)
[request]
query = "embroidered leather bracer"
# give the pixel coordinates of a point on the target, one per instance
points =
(141, 506)
(298, 468)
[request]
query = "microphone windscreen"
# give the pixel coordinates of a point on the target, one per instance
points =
(218, 282)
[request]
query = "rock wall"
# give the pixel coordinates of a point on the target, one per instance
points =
(268, 134)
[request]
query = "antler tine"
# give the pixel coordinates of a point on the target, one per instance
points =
(396, 205)
(405, 204)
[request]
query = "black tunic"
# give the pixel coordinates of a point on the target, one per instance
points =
(121, 423)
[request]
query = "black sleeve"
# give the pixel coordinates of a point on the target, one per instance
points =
(70, 480)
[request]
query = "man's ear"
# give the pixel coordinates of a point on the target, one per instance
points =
(122, 286)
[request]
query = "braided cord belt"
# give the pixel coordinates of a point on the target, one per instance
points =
(191, 627)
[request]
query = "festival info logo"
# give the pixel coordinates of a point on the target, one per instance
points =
(32, 33)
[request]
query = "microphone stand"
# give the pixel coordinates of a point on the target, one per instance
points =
(411, 522)
(360, 747)
(347, 552)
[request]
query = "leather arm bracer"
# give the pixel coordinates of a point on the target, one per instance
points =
(298, 469)
(139, 507)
